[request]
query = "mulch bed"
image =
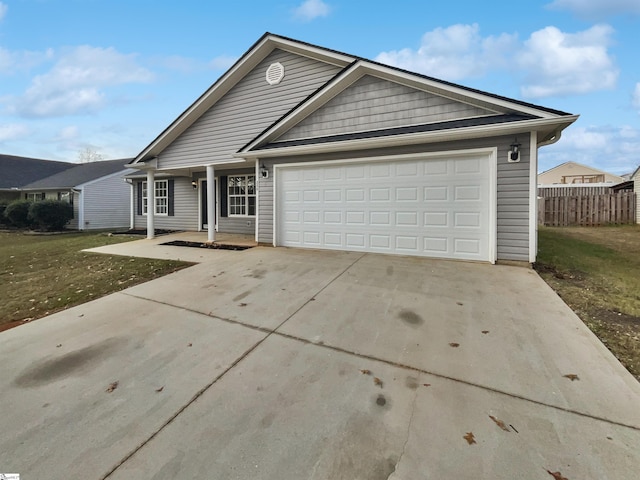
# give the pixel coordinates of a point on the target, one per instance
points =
(218, 246)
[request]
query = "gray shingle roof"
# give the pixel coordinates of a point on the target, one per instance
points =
(79, 174)
(16, 172)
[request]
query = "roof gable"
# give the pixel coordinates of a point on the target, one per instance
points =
(256, 54)
(476, 103)
(373, 103)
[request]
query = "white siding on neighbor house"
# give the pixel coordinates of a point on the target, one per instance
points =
(73, 224)
(185, 203)
(636, 189)
(106, 203)
(372, 103)
(246, 110)
(512, 189)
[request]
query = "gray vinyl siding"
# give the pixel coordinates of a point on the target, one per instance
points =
(512, 189)
(107, 203)
(246, 110)
(185, 204)
(372, 103)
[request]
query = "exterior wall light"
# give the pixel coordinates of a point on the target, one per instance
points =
(514, 152)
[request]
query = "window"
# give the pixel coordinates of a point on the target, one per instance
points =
(242, 195)
(161, 194)
(34, 197)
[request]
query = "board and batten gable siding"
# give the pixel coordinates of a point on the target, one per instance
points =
(246, 110)
(373, 103)
(185, 205)
(107, 203)
(512, 189)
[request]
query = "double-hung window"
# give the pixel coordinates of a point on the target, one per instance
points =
(161, 197)
(241, 191)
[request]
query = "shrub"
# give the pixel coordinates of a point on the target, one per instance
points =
(17, 212)
(50, 214)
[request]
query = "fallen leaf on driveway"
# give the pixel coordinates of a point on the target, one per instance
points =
(500, 423)
(58, 345)
(160, 389)
(572, 376)
(454, 345)
(557, 475)
(426, 384)
(112, 387)
(470, 438)
(460, 303)
(377, 381)
(485, 331)
(190, 345)
(365, 372)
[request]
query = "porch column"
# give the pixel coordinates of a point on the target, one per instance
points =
(211, 207)
(151, 201)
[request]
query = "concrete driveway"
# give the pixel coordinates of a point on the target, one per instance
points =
(276, 363)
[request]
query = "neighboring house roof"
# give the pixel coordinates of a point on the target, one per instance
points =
(79, 174)
(635, 174)
(521, 116)
(575, 169)
(16, 172)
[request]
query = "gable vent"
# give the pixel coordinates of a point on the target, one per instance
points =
(275, 73)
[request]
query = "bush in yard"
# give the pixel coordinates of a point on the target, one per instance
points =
(17, 213)
(50, 214)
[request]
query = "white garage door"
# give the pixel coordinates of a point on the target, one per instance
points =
(434, 207)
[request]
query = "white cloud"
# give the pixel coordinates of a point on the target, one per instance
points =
(452, 53)
(222, 62)
(3, 10)
(612, 149)
(597, 8)
(77, 82)
(558, 63)
(13, 131)
(550, 62)
(68, 133)
(14, 61)
(635, 99)
(311, 9)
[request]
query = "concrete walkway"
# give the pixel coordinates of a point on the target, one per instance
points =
(278, 363)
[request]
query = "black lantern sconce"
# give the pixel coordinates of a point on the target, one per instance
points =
(514, 152)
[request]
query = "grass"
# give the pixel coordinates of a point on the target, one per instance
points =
(596, 271)
(43, 274)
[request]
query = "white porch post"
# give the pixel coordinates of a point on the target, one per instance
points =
(151, 201)
(211, 204)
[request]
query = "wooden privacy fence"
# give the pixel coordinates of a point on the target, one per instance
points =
(563, 191)
(587, 210)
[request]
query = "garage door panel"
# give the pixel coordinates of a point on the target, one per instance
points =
(428, 207)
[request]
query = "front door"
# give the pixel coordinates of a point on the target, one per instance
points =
(204, 205)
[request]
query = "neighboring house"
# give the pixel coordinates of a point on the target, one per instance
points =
(97, 190)
(572, 173)
(635, 176)
(308, 147)
(16, 172)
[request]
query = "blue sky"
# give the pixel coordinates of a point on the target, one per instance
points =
(111, 75)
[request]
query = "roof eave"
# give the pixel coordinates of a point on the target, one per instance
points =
(555, 125)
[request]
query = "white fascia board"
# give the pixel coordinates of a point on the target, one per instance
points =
(229, 79)
(414, 138)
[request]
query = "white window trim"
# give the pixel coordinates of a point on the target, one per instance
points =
(246, 197)
(155, 197)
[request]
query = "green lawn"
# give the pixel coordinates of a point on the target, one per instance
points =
(43, 274)
(597, 273)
